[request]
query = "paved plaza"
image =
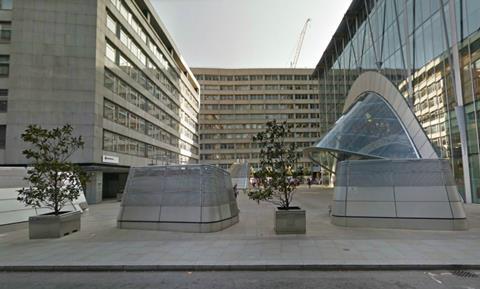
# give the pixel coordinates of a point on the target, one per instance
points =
(252, 242)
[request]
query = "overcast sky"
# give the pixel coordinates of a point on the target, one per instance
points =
(250, 33)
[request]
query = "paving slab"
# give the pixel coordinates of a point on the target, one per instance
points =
(251, 244)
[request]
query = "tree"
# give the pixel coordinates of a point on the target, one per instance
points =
(54, 180)
(277, 160)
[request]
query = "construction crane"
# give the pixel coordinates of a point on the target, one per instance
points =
(293, 64)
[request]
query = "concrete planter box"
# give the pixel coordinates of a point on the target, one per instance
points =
(51, 226)
(292, 221)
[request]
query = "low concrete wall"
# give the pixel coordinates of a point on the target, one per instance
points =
(13, 211)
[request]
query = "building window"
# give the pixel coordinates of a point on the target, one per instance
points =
(4, 65)
(110, 53)
(3, 132)
(5, 31)
(6, 4)
(3, 106)
(111, 24)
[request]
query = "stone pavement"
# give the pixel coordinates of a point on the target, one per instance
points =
(250, 244)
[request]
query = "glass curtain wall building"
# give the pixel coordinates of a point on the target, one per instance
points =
(430, 50)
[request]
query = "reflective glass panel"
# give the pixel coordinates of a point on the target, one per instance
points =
(369, 128)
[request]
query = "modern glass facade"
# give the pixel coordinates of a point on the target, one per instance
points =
(430, 49)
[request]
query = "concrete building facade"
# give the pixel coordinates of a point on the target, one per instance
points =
(109, 68)
(237, 103)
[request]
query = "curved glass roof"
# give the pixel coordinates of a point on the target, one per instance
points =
(369, 129)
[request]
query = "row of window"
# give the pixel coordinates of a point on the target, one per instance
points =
(140, 32)
(205, 136)
(256, 166)
(259, 106)
(140, 77)
(252, 77)
(260, 87)
(259, 96)
(278, 116)
(120, 115)
(122, 89)
(121, 144)
(237, 156)
(239, 146)
(256, 126)
(150, 44)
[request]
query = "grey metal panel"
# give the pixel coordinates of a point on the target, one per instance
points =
(181, 198)
(411, 166)
(225, 211)
(178, 195)
(424, 210)
(182, 180)
(458, 210)
(453, 194)
(371, 209)
(448, 178)
(375, 194)
(417, 179)
(421, 194)
(210, 198)
(142, 199)
(142, 213)
(341, 179)
(342, 168)
(137, 225)
(339, 193)
(371, 178)
(179, 227)
(338, 208)
(181, 214)
(211, 214)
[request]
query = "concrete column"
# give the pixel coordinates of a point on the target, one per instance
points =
(93, 192)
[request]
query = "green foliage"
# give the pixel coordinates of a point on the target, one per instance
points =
(54, 180)
(277, 160)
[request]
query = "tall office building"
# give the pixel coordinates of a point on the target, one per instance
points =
(109, 68)
(430, 50)
(237, 103)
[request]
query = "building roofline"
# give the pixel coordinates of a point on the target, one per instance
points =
(356, 8)
(167, 40)
(251, 69)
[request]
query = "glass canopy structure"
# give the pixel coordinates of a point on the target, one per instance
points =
(387, 173)
(371, 129)
(376, 124)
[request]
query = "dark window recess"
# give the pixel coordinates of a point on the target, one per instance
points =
(5, 31)
(3, 132)
(3, 106)
(4, 65)
(3, 92)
